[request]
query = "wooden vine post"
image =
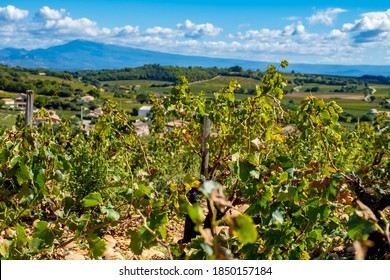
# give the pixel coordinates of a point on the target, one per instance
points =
(205, 151)
(189, 226)
(29, 108)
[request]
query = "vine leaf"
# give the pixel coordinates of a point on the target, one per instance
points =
(112, 215)
(97, 246)
(92, 199)
(245, 228)
(23, 174)
(136, 244)
(44, 232)
(196, 213)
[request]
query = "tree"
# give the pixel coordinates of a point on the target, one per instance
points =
(94, 92)
(143, 98)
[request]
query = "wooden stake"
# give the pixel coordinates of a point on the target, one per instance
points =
(29, 108)
(205, 150)
(189, 225)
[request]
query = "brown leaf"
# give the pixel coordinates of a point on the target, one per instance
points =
(219, 199)
(366, 212)
(361, 248)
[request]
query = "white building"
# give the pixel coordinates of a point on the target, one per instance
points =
(144, 111)
(8, 102)
(87, 98)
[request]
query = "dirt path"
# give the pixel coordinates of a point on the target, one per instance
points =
(204, 81)
(328, 96)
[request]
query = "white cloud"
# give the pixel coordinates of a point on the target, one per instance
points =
(162, 32)
(46, 13)
(325, 17)
(370, 21)
(125, 31)
(193, 30)
(11, 13)
(371, 28)
(336, 33)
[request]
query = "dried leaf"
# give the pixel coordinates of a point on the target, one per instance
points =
(366, 212)
(361, 248)
(219, 199)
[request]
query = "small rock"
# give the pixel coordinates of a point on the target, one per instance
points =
(36, 222)
(344, 217)
(74, 257)
(110, 254)
(339, 248)
(110, 241)
(351, 250)
(9, 233)
(71, 245)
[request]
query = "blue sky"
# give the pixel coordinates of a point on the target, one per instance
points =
(335, 32)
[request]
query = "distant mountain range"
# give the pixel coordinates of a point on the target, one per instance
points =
(86, 55)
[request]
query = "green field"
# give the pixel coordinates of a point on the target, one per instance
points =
(8, 118)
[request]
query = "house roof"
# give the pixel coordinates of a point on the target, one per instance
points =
(145, 108)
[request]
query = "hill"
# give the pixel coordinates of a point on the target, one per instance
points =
(86, 55)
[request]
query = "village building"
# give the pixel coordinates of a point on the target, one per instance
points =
(8, 102)
(144, 111)
(87, 98)
(20, 101)
(141, 128)
(51, 116)
(95, 113)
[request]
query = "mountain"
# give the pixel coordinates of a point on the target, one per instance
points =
(86, 55)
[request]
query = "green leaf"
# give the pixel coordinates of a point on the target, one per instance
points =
(4, 248)
(14, 161)
(41, 178)
(325, 116)
(97, 246)
(359, 228)
(21, 238)
(112, 215)
(245, 228)
(35, 243)
(158, 218)
(23, 174)
(244, 171)
(283, 178)
(92, 199)
(312, 214)
(136, 244)
(286, 192)
(42, 231)
(196, 213)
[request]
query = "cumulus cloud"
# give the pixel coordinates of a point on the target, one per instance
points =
(125, 31)
(162, 32)
(45, 13)
(371, 27)
(11, 13)
(325, 17)
(60, 23)
(336, 33)
(193, 30)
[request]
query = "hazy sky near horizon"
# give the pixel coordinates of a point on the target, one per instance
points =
(336, 32)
